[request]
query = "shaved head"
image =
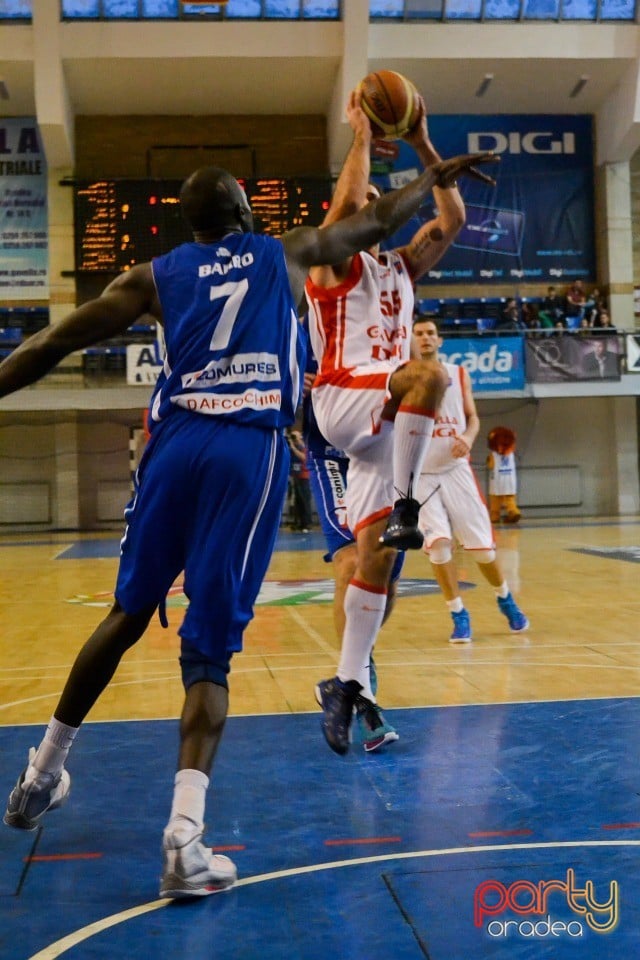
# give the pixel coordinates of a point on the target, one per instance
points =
(214, 202)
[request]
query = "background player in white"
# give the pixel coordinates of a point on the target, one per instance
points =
(374, 402)
(213, 478)
(454, 506)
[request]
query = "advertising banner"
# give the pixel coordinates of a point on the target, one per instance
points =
(633, 353)
(493, 363)
(24, 263)
(536, 224)
(144, 363)
(569, 357)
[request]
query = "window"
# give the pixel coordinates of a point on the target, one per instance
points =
(176, 9)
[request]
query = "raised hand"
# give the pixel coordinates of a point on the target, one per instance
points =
(357, 118)
(448, 171)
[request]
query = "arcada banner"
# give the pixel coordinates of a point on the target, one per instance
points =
(565, 357)
(536, 225)
(24, 260)
(493, 363)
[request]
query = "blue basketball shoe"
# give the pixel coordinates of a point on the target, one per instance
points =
(517, 620)
(373, 729)
(461, 627)
(337, 699)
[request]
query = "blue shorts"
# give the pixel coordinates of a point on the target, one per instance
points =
(328, 478)
(208, 502)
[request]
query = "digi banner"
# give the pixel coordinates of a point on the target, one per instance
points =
(570, 357)
(24, 260)
(536, 225)
(493, 363)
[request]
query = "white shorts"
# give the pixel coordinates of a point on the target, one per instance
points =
(349, 414)
(456, 510)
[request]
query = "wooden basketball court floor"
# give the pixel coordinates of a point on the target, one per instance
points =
(504, 823)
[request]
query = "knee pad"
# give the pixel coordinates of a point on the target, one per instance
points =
(484, 556)
(197, 667)
(440, 552)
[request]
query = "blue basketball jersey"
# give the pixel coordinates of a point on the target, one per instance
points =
(234, 346)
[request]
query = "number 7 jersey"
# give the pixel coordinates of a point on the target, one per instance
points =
(234, 346)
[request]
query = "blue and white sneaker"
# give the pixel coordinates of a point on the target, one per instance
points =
(191, 869)
(373, 729)
(517, 620)
(461, 627)
(28, 802)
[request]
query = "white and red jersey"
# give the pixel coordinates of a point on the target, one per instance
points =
(502, 474)
(450, 423)
(365, 319)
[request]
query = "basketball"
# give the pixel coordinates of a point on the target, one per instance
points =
(391, 102)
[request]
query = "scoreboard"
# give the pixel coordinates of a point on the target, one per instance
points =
(119, 223)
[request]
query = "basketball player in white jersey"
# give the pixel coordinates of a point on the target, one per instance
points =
(453, 505)
(374, 402)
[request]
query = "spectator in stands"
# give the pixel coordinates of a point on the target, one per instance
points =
(585, 326)
(595, 303)
(552, 309)
(301, 490)
(531, 317)
(603, 323)
(510, 319)
(575, 302)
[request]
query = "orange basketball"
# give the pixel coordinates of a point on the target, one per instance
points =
(391, 102)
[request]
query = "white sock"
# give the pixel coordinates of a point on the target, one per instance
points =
(187, 809)
(53, 751)
(456, 605)
(412, 431)
(502, 591)
(364, 608)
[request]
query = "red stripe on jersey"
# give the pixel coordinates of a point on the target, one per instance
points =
(330, 308)
(372, 518)
(341, 289)
(346, 378)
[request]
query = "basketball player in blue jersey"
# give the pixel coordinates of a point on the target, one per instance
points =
(212, 481)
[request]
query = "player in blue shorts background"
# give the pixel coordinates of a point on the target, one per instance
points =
(212, 481)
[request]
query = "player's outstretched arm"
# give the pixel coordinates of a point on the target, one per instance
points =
(432, 240)
(129, 296)
(350, 193)
(309, 246)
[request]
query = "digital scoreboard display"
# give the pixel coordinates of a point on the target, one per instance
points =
(119, 223)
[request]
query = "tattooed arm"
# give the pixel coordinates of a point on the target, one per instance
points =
(434, 237)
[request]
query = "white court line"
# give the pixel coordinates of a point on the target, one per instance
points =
(453, 667)
(56, 949)
(414, 706)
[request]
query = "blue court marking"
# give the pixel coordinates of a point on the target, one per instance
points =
(503, 787)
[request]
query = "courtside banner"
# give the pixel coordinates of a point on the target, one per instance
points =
(633, 353)
(24, 249)
(493, 363)
(568, 357)
(536, 224)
